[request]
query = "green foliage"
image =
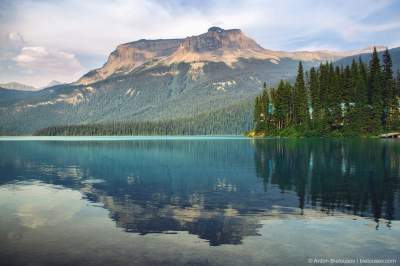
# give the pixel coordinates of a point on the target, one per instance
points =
(356, 100)
(300, 105)
(230, 120)
(153, 92)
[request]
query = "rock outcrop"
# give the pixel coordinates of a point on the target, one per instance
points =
(216, 45)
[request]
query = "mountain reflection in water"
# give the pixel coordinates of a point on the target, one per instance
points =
(219, 190)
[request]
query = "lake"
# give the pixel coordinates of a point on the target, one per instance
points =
(198, 201)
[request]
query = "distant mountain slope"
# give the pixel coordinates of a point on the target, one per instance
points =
(153, 80)
(52, 84)
(233, 119)
(366, 57)
(11, 96)
(17, 86)
(216, 45)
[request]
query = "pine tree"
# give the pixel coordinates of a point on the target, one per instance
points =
(324, 95)
(389, 97)
(282, 105)
(265, 110)
(361, 84)
(352, 100)
(273, 121)
(257, 113)
(300, 99)
(336, 95)
(387, 90)
(397, 90)
(354, 76)
(375, 94)
(315, 98)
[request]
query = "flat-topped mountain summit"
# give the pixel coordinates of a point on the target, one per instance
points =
(216, 45)
(216, 38)
(207, 80)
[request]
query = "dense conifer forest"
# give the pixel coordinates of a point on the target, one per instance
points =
(356, 100)
(230, 120)
(360, 99)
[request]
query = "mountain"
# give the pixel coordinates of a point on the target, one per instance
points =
(17, 86)
(53, 83)
(163, 80)
(216, 45)
(366, 57)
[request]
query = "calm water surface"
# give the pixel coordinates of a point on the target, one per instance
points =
(202, 201)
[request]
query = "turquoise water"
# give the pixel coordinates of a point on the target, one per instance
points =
(116, 138)
(225, 200)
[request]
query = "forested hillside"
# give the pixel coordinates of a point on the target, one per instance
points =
(366, 57)
(161, 80)
(231, 120)
(357, 99)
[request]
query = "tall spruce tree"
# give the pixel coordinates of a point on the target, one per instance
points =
(354, 100)
(397, 89)
(362, 84)
(389, 97)
(375, 94)
(315, 98)
(300, 99)
(283, 105)
(256, 114)
(354, 76)
(336, 95)
(265, 110)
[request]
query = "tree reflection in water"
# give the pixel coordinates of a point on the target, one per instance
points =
(220, 190)
(360, 177)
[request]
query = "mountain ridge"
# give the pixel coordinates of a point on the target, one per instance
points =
(150, 81)
(216, 45)
(17, 86)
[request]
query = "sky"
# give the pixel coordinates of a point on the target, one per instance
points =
(45, 40)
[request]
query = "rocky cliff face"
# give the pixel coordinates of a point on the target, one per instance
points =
(202, 77)
(216, 38)
(130, 56)
(216, 45)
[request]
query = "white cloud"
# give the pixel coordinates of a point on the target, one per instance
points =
(96, 27)
(48, 64)
(38, 65)
(49, 60)
(92, 29)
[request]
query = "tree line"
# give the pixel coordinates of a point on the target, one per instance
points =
(226, 121)
(358, 99)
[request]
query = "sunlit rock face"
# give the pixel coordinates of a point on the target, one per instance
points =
(216, 45)
(132, 55)
(217, 72)
(129, 56)
(217, 38)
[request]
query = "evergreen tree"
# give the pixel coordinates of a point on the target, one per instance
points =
(325, 98)
(301, 113)
(264, 110)
(375, 94)
(315, 98)
(353, 100)
(354, 76)
(397, 90)
(336, 95)
(361, 84)
(257, 113)
(389, 97)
